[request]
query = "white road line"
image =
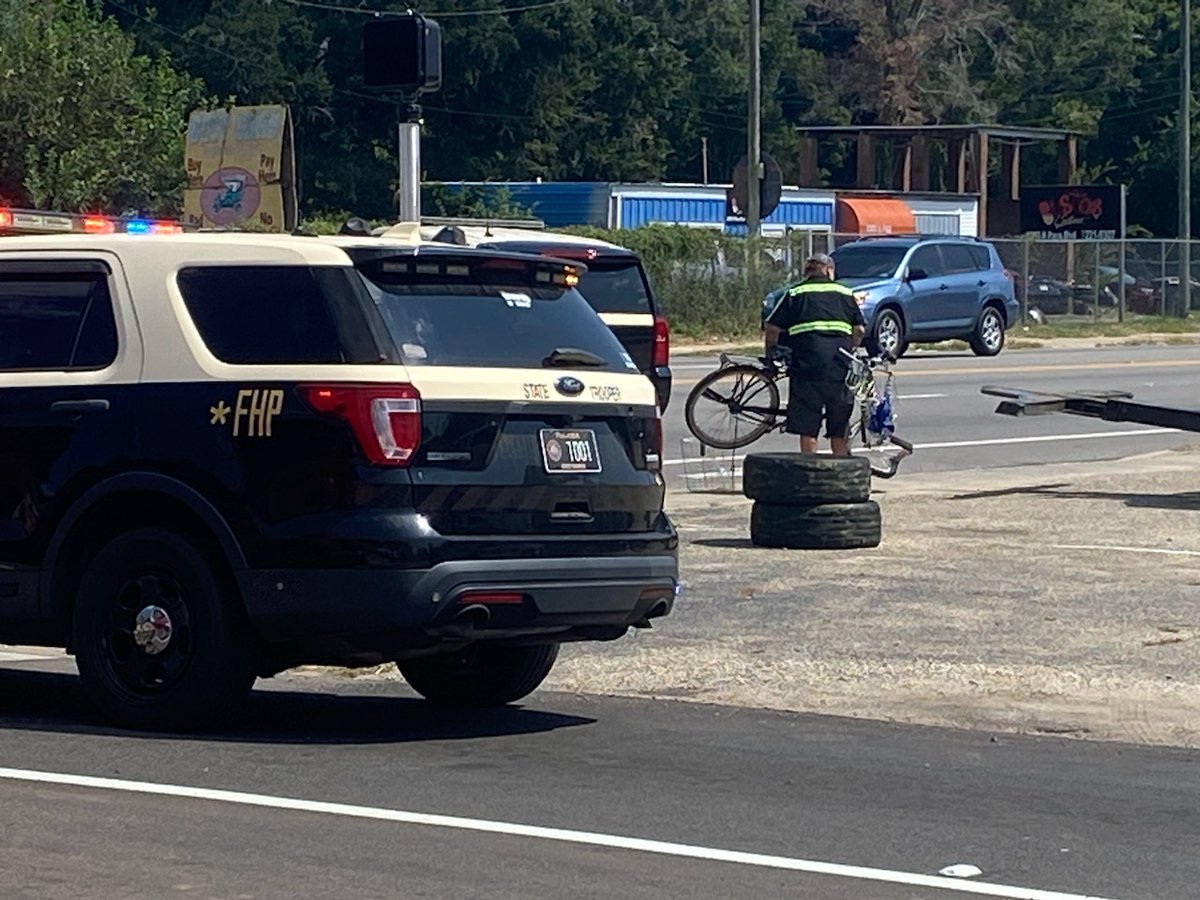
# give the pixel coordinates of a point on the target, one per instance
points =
(1037, 439)
(989, 442)
(1119, 549)
(924, 396)
(588, 838)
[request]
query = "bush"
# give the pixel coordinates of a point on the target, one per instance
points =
(702, 279)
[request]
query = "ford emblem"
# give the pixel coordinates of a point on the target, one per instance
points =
(570, 386)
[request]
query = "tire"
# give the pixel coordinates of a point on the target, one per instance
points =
(480, 675)
(802, 479)
(887, 334)
(988, 337)
(744, 382)
(829, 526)
(188, 675)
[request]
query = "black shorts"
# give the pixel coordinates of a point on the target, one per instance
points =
(810, 400)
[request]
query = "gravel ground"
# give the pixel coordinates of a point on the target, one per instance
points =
(979, 610)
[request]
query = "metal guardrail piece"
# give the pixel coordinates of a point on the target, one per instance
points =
(1111, 406)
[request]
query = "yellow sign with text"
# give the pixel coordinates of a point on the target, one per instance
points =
(240, 166)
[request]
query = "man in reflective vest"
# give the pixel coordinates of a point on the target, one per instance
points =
(814, 319)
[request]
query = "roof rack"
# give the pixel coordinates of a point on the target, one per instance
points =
(915, 237)
(468, 222)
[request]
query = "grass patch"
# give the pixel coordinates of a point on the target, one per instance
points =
(1128, 328)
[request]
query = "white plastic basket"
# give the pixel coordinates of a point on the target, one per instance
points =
(707, 470)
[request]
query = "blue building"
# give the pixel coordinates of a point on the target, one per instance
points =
(617, 205)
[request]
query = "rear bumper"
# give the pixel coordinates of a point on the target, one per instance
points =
(376, 606)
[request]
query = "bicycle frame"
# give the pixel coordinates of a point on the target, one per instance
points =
(773, 371)
(862, 381)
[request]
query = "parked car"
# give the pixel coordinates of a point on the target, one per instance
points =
(929, 289)
(614, 283)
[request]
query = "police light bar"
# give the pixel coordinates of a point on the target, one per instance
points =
(28, 221)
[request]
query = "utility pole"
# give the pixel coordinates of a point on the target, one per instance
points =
(754, 168)
(1185, 158)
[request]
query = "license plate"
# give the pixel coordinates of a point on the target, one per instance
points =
(570, 450)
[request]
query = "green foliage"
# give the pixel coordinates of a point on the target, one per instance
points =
(702, 279)
(472, 202)
(94, 94)
(85, 121)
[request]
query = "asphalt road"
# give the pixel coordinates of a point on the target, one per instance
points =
(376, 794)
(955, 427)
(893, 805)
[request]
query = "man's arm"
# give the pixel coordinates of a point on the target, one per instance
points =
(771, 335)
(854, 314)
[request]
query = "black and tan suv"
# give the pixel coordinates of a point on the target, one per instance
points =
(225, 455)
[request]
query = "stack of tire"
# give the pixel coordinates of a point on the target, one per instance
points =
(807, 502)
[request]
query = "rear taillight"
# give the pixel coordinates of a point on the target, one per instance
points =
(662, 342)
(386, 419)
(654, 442)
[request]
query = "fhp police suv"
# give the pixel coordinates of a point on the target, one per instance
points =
(225, 455)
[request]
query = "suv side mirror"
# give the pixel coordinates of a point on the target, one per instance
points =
(917, 274)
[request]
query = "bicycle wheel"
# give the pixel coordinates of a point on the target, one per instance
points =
(732, 407)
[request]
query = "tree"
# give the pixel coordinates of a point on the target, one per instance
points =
(85, 122)
(916, 62)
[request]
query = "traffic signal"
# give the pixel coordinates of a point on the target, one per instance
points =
(402, 54)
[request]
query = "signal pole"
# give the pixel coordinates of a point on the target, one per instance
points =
(1185, 158)
(754, 168)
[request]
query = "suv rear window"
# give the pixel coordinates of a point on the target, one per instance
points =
(279, 315)
(489, 313)
(615, 287)
(867, 261)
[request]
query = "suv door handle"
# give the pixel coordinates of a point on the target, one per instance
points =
(943, 287)
(75, 407)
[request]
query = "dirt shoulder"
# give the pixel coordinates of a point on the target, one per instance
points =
(1054, 599)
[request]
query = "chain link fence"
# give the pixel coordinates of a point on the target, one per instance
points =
(711, 284)
(1098, 280)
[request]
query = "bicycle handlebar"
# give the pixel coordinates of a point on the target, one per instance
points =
(872, 362)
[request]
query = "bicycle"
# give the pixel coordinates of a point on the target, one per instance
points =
(744, 391)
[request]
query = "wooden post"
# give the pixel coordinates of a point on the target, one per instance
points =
(808, 162)
(979, 181)
(1010, 171)
(902, 166)
(1067, 173)
(866, 162)
(956, 166)
(1068, 160)
(919, 157)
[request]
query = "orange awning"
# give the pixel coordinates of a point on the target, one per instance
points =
(863, 215)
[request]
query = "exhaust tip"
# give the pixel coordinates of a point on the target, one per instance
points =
(474, 617)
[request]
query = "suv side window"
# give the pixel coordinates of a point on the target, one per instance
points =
(280, 315)
(983, 259)
(929, 259)
(958, 258)
(55, 317)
